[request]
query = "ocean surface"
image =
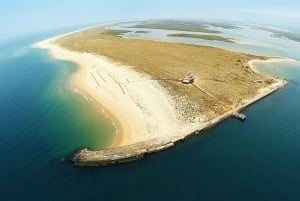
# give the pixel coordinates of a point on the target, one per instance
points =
(42, 121)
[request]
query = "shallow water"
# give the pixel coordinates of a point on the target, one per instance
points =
(42, 121)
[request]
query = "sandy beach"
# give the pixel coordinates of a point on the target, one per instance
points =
(141, 110)
(271, 60)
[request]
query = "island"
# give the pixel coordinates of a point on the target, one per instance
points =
(178, 26)
(186, 25)
(280, 33)
(157, 93)
(204, 37)
(141, 32)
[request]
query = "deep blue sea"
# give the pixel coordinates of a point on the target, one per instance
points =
(42, 121)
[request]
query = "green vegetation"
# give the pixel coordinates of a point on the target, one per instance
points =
(204, 37)
(223, 25)
(142, 32)
(288, 35)
(115, 32)
(177, 27)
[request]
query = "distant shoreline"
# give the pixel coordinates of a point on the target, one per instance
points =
(100, 78)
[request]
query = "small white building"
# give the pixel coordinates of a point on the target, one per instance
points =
(188, 80)
(258, 81)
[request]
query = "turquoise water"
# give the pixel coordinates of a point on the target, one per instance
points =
(42, 121)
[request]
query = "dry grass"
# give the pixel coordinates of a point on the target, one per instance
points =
(221, 75)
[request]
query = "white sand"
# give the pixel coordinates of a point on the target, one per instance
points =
(140, 108)
(271, 60)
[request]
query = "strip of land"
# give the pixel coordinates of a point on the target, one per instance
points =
(139, 83)
(138, 32)
(177, 27)
(280, 33)
(204, 37)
